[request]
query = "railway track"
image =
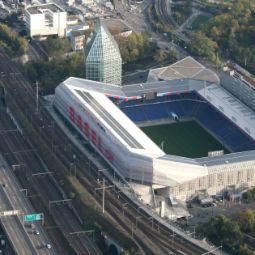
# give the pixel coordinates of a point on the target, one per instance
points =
(150, 242)
(18, 152)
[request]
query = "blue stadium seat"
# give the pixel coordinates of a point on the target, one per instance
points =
(190, 105)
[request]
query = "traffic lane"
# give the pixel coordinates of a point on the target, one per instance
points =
(21, 203)
(15, 231)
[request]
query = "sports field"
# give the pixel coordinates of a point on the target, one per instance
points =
(187, 139)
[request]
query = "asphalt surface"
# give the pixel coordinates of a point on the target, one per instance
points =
(21, 203)
(13, 225)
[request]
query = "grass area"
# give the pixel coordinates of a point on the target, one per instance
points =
(187, 139)
(200, 20)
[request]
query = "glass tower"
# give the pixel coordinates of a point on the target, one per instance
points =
(103, 59)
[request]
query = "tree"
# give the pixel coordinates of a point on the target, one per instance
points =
(57, 47)
(203, 46)
(160, 55)
(135, 47)
(72, 195)
(234, 32)
(243, 250)
(16, 45)
(220, 230)
(173, 55)
(246, 220)
(247, 196)
(126, 252)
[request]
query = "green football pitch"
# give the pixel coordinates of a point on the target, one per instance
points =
(187, 139)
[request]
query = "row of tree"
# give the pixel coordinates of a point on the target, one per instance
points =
(182, 11)
(227, 232)
(202, 46)
(136, 46)
(50, 73)
(234, 32)
(14, 44)
(249, 195)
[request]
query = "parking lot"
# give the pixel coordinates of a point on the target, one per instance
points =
(203, 214)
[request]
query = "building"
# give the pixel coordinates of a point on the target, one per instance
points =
(77, 40)
(103, 59)
(185, 68)
(118, 27)
(45, 19)
(87, 2)
(112, 130)
(70, 2)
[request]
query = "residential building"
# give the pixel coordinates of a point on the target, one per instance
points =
(77, 40)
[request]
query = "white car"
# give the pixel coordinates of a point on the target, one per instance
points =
(48, 246)
(37, 232)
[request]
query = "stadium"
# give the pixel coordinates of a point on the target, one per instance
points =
(112, 117)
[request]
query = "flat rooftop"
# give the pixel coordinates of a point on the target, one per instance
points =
(231, 107)
(116, 26)
(107, 117)
(184, 68)
(113, 121)
(38, 9)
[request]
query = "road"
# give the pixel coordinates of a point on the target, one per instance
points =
(13, 227)
(137, 20)
(20, 202)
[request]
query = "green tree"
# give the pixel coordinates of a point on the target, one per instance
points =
(247, 196)
(246, 220)
(126, 252)
(135, 47)
(57, 47)
(243, 250)
(16, 45)
(173, 55)
(72, 195)
(220, 230)
(160, 55)
(203, 46)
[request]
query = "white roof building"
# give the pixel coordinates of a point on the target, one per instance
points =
(129, 151)
(45, 19)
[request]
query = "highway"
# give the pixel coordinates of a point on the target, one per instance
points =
(150, 236)
(14, 229)
(21, 203)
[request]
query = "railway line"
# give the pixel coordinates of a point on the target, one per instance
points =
(150, 241)
(18, 152)
(11, 143)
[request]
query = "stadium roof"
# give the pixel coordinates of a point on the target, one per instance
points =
(185, 68)
(119, 125)
(125, 134)
(231, 107)
(227, 159)
(220, 98)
